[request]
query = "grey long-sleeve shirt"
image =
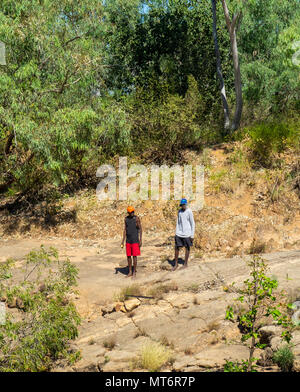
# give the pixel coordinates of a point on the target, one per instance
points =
(185, 226)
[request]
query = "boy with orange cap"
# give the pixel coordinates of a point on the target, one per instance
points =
(133, 233)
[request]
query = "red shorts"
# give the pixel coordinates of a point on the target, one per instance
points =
(132, 249)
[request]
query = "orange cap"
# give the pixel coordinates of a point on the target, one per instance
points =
(130, 209)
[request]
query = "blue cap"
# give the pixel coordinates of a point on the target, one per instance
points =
(183, 201)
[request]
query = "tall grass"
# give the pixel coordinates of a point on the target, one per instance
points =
(153, 356)
(125, 292)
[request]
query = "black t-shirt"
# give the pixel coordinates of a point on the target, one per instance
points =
(132, 231)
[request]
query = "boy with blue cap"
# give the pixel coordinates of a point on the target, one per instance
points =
(185, 230)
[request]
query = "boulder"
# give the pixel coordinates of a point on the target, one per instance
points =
(108, 309)
(85, 366)
(216, 356)
(112, 366)
(183, 362)
(12, 303)
(296, 317)
(276, 342)
(121, 356)
(266, 357)
(268, 332)
(296, 343)
(119, 307)
(131, 304)
(122, 321)
(297, 365)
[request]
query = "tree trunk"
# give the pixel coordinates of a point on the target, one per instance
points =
(231, 26)
(219, 68)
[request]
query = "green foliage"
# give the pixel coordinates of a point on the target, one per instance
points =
(265, 38)
(86, 81)
(53, 62)
(47, 319)
(284, 358)
(166, 126)
(234, 367)
(258, 296)
(266, 139)
(165, 41)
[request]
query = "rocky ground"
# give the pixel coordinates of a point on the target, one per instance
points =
(246, 210)
(186, 313)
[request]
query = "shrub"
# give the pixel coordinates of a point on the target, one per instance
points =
(257, 246)
(140, 332)
(110, 342)
(266, 139)
(165, 342)
(158, 291)
(284, 358)
(164, 127)
(217, 180)
(239, 366)
(47, 319)
(153, 356)
(124, 293)
(260, 300)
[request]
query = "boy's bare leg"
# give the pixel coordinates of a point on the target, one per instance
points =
(129, 266)
(186, 257)
(176, 258)
(134, 266)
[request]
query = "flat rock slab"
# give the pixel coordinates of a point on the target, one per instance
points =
(191, 323)
(217, 356)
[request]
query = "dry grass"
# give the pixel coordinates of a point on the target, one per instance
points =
(235, 251)
(109, 342)
(214, 339)
(123, 294)
(188, 351)
(257, 246)
(213, 326)
(152, 357)
(158, 291)
(198, 254)
(140, 332)
(165, 342)
(222, 180)
(194, 287)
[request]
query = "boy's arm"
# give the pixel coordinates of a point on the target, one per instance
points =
(192, 222)
(124, 234)
(139, 225)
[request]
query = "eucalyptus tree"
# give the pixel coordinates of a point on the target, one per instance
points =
(231, 23)
(160, 43)
(54, 54)
(219, 68)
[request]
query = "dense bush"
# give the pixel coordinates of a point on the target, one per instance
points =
(284, 358)
(46, 320)
(85, 82)
(164, 127)
(268, 138)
